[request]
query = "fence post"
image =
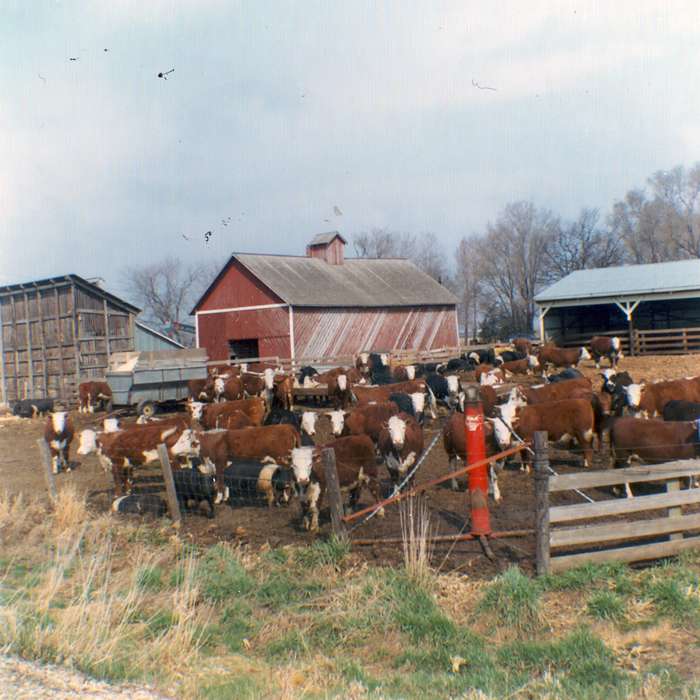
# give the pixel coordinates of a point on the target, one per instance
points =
(48, 468)
(335, 499)
(173, 505)
(478, 479)
(677, 511)
(541, 503)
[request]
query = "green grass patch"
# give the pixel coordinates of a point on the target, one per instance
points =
(282, 589)
(514, 599)
(671, 600)
(290, 644)
(150, 578)
(160, 622)
(221, 575)
(606, 605)
(235, 625)
(584, 576)
(238, 687)
(324, 552)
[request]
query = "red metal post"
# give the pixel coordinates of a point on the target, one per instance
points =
(476, 450)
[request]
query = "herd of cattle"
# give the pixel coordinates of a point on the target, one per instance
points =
(241, 435)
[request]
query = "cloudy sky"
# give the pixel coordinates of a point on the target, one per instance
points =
(278, 111)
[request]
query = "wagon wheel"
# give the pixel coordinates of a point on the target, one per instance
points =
(147, 409)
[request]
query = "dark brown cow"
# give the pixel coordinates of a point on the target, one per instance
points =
(648, 400)
(563, 420)
(200, 389)
(404, 373)
(92, 394)
(355, 463)
(228, 389)
(58, 434)
(284, 391)
(561, 357)
(400, 444)
(253, 384)
(212, 415)
(523, 346)
(123, 450)
(365, 394)
(528, 365)
(602, 346)
(368, 419)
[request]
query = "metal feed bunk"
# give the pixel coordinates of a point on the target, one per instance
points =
(149, 380)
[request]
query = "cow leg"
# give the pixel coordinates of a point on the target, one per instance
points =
(493, 484)
(452, 466)
(375, 490)
(54, 461)
(118, 477)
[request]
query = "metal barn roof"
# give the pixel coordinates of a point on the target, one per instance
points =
(303, 281)
(654, 280)
(322, 238)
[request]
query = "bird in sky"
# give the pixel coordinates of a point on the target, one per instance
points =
(337, 211)
(483, 87)
(166, 73)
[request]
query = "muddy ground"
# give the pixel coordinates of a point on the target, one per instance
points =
(253, 523)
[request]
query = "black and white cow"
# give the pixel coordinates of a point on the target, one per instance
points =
(140, 504)
(31, 408)
(249, 479)
(564, 375)
(195, 485)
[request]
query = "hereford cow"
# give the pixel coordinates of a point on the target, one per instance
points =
(528, 365)
(493, 378)
(212, 415)
(58, 434)
(523, 346)
(455, 443)
(400, 444)
(123, 450)
(563, 420)
(561, 357)
(648, 400)
(249, 479)
(601, 346)
(93, 394)
(368, 419)
(253, 384)
(228, 388)
(555, 392)
(200, 389)
(283, 392)
(369, 394)
(404, 373)
(356, 466)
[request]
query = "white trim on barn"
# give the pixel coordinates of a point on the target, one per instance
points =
(240, 308)
(291, 332)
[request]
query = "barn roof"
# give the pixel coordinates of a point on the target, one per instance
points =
(677, 278)
(358, 282)
(323, 238)
(68, 279)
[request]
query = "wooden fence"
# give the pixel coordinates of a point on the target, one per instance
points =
(604, 541)
(665, 341)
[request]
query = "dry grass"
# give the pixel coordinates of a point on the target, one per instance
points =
(416, 533)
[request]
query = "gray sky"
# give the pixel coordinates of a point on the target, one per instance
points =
(278, 111)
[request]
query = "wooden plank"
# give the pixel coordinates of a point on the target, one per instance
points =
(622, 530)
(630, 475)
(335, 499)
(40, 308)
(674, 486)
(171, 495)
(30, 365)
(642, 552)
(562, 514)
(106, 317)
(48, 468)
(59, 334)
(542, 534)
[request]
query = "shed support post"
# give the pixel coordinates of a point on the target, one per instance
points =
(627, 308)
(543, 313)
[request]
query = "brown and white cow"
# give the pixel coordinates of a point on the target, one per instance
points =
(93, 394)
(121, 451)
(404, 373)
(648, 400)
(211, 416)
(356, 466)
(523, 346)
(284, 391)
(58, 434)
(561, 357)
(570, 388)
(564, 421)
(528, 365)
(400, 443)
(367, 419)
(200, 389)
(602, 346)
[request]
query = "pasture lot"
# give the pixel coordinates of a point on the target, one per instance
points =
(249, 606)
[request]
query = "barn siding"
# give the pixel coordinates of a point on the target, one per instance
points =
(269, 326)
(237, 287)
(332, 332)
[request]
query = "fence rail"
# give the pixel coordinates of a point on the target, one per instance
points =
(598, 534)
(659, 341)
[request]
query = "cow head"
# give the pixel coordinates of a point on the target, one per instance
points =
(186, 445)
(342, 382)
(499, 360)
(452, 384)
(58, 421)
(504, 421)
(474, 357)
(196, 408)
(490, 379)
(337, 421)
(418, 401)
(532, 362)
(633, 395)
(110, 425)
(364, 358)
(583, 354)
(384, 359)
(302, 464)
(219, 384)
(410, 372)
(308, 422)
(88, 442)
(269, 376)
(397, 431)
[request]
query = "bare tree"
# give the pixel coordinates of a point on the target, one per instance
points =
(384, 243)
(166, 291)
(582, 244)
(513, 261)
(469, 284)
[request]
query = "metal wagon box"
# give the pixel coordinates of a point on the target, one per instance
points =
(146, 379)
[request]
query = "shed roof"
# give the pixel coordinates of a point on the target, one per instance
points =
(361, 282)
(157, 334)
(323, 238)
(67, 279)
(681, 277)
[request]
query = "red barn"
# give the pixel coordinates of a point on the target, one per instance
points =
(322, 305)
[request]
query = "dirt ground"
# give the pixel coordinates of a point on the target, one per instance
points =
(254, 523)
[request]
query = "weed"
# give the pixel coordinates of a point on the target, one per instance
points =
(514, 600)
(416, 532)
(606, 605)
(290, 644)
(584, 576)
(150, 578)
(239, 687)
(324, 552)
(670, 599)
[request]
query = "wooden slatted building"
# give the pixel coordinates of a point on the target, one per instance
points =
(57, 332)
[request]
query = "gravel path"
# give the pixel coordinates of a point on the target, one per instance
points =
(22, 680)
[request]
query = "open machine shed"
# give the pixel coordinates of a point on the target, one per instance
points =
(322, 305)
(653, 308)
